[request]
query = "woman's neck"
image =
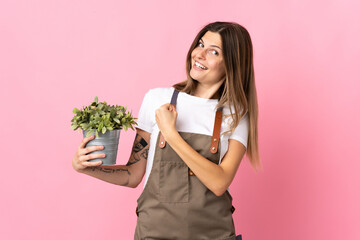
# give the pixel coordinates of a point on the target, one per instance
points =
(208, 92)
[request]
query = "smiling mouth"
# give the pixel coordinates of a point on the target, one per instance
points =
(199, 66)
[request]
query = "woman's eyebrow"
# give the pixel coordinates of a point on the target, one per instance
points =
(210, 45)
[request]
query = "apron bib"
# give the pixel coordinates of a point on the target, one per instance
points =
(175, 204)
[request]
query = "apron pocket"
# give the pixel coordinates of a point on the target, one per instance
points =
(173, 182)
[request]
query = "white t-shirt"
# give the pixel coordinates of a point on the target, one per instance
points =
(195, 115)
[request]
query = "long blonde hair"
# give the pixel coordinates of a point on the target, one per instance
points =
(238, 89)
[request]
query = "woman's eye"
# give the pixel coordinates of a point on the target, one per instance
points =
(214, 52)
(200, 44)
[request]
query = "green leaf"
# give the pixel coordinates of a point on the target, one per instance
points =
(101, 117)
(100, 127)
(76, 111)
(88, 134)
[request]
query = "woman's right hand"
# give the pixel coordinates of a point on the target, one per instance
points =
(80, 160)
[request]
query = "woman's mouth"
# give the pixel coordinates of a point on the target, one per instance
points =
(198, 66)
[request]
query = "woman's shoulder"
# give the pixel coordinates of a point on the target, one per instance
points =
(160, 91)
(158, 96)
(227, 111)
(229, 116)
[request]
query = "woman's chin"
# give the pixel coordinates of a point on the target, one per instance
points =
(194, 76)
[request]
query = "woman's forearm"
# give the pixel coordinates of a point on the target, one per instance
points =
(210, 174)
(118, 174)
(129, 175)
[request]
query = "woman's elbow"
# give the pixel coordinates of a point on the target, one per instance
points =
(220, 190)
(220, 186)
(133, 184)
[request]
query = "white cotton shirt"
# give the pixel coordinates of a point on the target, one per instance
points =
(195, 115)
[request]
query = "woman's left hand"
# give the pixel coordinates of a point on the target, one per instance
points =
(166, 119)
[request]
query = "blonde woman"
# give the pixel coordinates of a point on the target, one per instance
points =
(190, 140)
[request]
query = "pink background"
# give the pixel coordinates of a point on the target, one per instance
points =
(57, 55)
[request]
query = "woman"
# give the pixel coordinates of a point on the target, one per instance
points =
(191, 147)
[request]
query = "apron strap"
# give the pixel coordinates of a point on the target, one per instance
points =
(162, 141)
(174, 97)
(217, 126)
(216, 132)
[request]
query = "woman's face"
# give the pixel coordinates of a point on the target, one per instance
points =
(209, 55)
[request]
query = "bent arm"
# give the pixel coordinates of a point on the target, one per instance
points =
(215, 177)
(131, 174)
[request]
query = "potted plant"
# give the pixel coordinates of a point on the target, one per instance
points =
(105, 122)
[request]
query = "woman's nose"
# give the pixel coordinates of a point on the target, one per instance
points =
(201, 53)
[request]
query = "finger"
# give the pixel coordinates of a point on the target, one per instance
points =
(165, 106)
(92, 164)
(85, 158)
(85, 141)
(87, 150)
(157, 118)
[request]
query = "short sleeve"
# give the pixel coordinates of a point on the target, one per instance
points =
(145, 116)
(241, 132)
